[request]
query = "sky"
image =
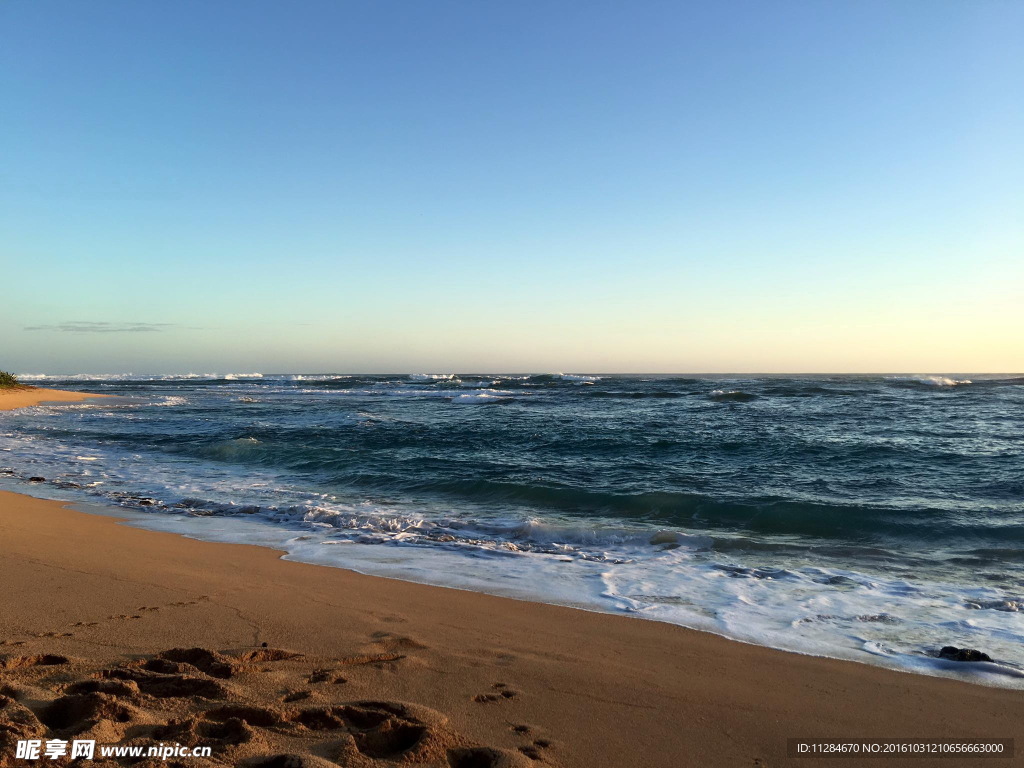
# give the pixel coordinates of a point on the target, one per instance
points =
(329, 186)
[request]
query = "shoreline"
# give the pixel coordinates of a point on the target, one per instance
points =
(363, 559)
(602, 690)
(27, 396)
(970, 674)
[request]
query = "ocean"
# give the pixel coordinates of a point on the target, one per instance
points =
(872, 518)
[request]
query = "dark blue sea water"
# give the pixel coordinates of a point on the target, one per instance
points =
(867, 517)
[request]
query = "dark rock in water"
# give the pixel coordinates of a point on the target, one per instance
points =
(37, 479)
(952, 653)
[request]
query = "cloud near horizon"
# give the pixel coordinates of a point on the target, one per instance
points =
(100, 327)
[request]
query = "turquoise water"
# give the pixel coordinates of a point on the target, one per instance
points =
(867, 517)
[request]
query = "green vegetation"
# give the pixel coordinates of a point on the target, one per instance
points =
(8, 380)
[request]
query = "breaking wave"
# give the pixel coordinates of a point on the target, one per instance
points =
(932, 381)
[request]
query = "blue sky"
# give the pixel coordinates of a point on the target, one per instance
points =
(396, 186)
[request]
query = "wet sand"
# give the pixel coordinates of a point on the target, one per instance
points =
(327, 664)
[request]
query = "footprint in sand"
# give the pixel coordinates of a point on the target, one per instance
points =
(392, 641)
(288, 761)
(17, 722)
(531, 752)
(186, 603)
(260, 655)
(10, 691)
(41, 660)
(377, 659)
(483, 757)
(260, 716)
(74, 714)
(119, 688)
(501, 692)
(394, 731)
(172, 686)
(535, 751)
(326, 676)
(209, 662)
(195, 731)
(244, 720)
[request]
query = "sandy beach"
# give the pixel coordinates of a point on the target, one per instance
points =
(22, 397)
(142, 636)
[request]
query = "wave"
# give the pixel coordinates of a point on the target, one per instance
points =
(930, 381)
(772, 516)
(731, 396)
(135, 377)
(699, 579)
(178, 377)
(171, 401)
(482, 398)
(376, 525)
(657, 394)
(239, 449)
(425, 393)
(432, 377)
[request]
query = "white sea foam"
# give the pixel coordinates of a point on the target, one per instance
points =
(873, 617)
(667, 575)
(171, 400)
(136, 376)
(432, 376)
(583, 379)
(444, 394)
(934, 381)
(483, 396)
(83, 377)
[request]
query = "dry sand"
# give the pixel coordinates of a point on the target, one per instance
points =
(364, 671)
(21, 397)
